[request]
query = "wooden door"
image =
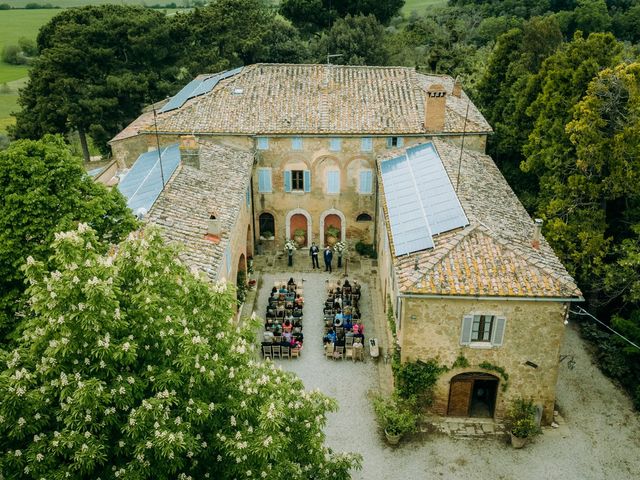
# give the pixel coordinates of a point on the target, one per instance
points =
(460, 397)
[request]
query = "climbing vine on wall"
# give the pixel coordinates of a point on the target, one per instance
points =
(494, 368)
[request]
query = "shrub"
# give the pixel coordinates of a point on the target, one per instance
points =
(366, 249)
(417, 379)
(521, 418)
(395, 416)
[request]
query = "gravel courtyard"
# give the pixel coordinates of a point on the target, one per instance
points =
(599, 439)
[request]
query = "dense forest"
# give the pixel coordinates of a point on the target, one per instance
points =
(559, 80)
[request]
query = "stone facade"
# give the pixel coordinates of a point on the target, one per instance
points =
(431, 328)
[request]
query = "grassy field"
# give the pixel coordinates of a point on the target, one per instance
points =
(80, 3)
(420, 5)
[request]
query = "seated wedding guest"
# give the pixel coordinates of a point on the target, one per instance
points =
(274, 291)
(358, 328)
(299, 300)
(338, 319)
(347, 312)
(291, 282)
(347, 324)
(283, 289)
(356, 313)
(287, 326)
(299, 337)
(297, 313)
(337, 302)
(286, 337)
(330, 337)
(268, 336)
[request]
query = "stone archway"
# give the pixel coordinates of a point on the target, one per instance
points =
(331, 217)
(298, 218)
(473, 394)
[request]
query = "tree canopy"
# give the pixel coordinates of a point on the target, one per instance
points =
(98, 66)
(44, 190)
(131, 366)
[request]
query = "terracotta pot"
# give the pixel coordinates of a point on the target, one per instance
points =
(392, 439)
(331, 240)
(518, 442)
(299, 239)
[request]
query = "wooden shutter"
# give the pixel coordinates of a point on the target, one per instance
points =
(400, 141)
(287, 180)
(366, 181)
(307, 181)
(389, 142)
(264, 180)
(465, 335)
(333, 181)
(497, 335)
(366, 144)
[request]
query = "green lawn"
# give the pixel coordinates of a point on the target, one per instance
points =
(80, 3)
(420, 5)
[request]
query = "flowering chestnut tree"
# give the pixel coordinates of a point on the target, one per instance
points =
(130, 366)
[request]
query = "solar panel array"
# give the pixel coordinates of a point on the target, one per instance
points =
(143, 184)
(196, 87)
(420, 199)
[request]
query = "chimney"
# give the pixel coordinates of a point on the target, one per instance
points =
(457, 89)
(537, 232)
(213, 226)
(189, 151)
(434, 108)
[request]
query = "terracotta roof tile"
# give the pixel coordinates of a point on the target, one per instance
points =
(183, 209)
(319, 99)
(492, 256)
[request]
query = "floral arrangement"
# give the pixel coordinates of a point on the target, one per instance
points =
(289, 245)
(340, 247)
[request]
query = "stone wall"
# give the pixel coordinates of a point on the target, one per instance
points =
(241, 244)
(431, 328)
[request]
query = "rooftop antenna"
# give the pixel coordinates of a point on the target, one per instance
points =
(464, 132)
(155, 124)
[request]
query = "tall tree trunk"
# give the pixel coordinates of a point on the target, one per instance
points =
(83, 144)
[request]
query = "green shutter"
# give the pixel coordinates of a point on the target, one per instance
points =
(287, 180)
(498, 331)
(307, 181)
(465, 336)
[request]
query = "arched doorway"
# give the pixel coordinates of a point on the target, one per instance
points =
(473, 395)
(299, 220)
(330, 219)
(266, 225)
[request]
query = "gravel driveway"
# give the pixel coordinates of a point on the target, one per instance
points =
(600, 438)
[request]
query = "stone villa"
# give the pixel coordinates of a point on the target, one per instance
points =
(265, 153)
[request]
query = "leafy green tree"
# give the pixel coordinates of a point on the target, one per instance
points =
(314, 15)
(360, 40)
(591, 16)
(576, 224)
(225, 34)
(132, 367)
(98, 66)
(44, 190)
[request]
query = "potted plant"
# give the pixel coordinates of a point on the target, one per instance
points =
(396, 417)
(522, 422)
(299, 235)
(266, 235)
(332, 234)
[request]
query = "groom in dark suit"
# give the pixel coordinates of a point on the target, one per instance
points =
(328, 256)
(313, 252)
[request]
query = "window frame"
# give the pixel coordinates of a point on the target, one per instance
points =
(395, 142)
(482, 333)
(297, 177)
(476, 334)
(366, 144)
(335, 144)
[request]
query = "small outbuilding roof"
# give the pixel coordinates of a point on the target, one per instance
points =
(493, 255)
(184, 207)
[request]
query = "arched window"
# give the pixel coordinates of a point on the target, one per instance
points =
(267, 225)
(364, 217)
